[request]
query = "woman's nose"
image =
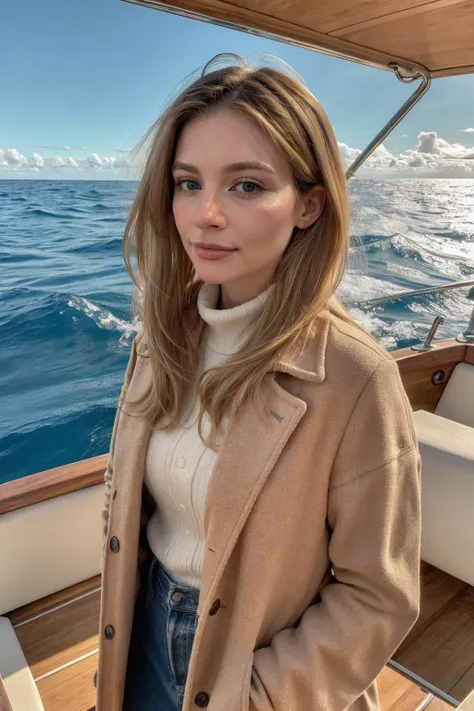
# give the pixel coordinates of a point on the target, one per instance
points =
(209, 212)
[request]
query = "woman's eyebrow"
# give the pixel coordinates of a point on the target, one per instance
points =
(232, 168)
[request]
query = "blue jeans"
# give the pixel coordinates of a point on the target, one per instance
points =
(162, 638)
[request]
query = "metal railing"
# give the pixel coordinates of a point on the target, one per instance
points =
(420, 91)
(466, 336)
(413, 292)
(423, 683)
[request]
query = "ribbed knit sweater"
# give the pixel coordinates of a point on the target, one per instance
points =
(178, 466)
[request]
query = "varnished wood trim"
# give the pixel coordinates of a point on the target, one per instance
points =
(67, 664)
(417, 368)
(453, 71)
(423, 9)
(397, 693)
(58, 607)
(72, 688)
(469, 357)
(445, 650)
(439, 591)
(54, 641)
(243, 18)
(464, 685)
(54, 601)
(4, 701)
(447, 613)
(332, 35)
(448, 347)
(434, 705)
(51, 483)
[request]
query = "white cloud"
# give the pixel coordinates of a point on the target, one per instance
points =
(67, 148)
(14, 158)
(36, 161)
(348, 154)
(57, 162)
(432, 156)
(95, 161)
(467, 130)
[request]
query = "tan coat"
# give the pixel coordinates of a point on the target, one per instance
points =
(312, 530)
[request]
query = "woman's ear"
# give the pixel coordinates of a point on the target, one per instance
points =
(310, 207)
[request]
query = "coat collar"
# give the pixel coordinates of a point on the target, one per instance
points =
(306, 362)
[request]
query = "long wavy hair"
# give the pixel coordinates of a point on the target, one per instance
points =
(165, 298)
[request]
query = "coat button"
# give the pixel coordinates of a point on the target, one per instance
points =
(201, 699)
(114, 544)
(215, 606)
(109, 631)
(177, 596)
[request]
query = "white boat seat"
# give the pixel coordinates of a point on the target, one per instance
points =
(457, 401)
(447, 455)
(49, 546)
(15, 672)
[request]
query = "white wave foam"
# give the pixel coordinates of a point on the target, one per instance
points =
(102, 317)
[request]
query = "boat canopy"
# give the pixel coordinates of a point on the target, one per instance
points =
(436, 34)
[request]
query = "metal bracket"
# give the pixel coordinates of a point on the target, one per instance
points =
(428, 344)
(406, 77)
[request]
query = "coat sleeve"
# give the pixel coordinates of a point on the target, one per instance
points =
(108, 474)
(343, 641)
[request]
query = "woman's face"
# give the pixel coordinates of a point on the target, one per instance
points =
(234, 190)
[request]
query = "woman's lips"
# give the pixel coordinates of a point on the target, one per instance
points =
(212, 252)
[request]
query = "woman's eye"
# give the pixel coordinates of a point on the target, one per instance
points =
(249, 187)
(191, 185)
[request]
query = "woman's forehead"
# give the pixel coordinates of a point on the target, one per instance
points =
(226, 138)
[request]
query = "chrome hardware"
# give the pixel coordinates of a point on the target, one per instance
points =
(467, 336)
(423, 683)
(414, 292)
(406, 78)
(438, 377)
(428, 345)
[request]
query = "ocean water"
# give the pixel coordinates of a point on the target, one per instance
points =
(65, 298)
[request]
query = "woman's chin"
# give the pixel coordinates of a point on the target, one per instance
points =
(213, 275)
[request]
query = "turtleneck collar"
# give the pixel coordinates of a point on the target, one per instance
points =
(227, 329)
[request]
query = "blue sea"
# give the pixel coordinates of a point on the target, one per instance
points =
(65, 298)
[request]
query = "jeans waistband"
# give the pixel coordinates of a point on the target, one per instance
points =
(175, 594)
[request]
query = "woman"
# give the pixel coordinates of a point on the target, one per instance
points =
(262, 519)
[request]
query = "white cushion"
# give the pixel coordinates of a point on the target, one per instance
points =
(16, 675)
(447, 454)
(457, 401)
(49, 546)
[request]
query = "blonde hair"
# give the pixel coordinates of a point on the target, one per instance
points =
(306, 277)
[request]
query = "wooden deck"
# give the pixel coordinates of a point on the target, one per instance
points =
(59, 636)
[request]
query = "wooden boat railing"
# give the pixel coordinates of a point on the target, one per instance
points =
(51, 483)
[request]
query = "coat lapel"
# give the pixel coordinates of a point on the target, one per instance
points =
(252, 444)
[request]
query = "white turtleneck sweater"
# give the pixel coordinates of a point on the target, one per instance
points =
(178, 466)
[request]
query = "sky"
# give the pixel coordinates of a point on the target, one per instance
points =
(83, 81)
